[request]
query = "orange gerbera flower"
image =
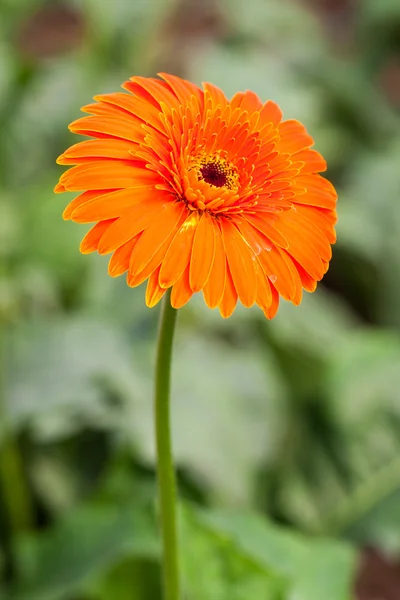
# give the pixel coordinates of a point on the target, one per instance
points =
(195, 192)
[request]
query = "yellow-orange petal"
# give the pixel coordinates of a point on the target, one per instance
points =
(322, 218)
(179, 251)
(273, 263)
(230, 297)
(181, 290)
(308, 283)
(301, 248)
(270, 113)
(135, 107)
(81, 199)
(246, 101)
(106, 175)
(92, 149)
(168, 220)
(130, 224)
(264, 294)
(315, 190)
(182, 89)
(296, 225)
(265, 224)
(217, 95)
(119, 261)
(91, 240)
(154, 292)
(293, 137)
(214, 288)
(312, 161)
(273, 309)
(112, 205)
(241, 262)
(202, 253)
(106, 127)
(136, 278)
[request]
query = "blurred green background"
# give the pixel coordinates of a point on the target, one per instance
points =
(286, 433)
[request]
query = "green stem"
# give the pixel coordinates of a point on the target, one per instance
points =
(165, 466)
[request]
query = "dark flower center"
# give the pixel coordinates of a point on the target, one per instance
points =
(214, 173)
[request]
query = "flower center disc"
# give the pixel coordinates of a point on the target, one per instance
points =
(214, 173)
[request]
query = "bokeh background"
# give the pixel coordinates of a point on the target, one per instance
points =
(287, 433)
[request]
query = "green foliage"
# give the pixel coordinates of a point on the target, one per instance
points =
(243, 554)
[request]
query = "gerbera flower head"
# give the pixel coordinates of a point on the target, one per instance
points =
(195, 192)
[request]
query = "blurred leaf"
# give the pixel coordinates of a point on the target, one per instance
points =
(290, 27)
(63, 561)
(369, 217)
(318, 325)
(384, 11)
(289, 565)
(267, 74)
(226, 573)
(222, 398)
(364, 379)
(55, 370)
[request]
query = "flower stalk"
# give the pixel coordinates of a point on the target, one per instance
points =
(165, 465)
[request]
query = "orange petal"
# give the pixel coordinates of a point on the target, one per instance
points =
(183, 89)
(134, 278)
(130, 224)
(272, 310)
(229, 299)
(154, 236)
(106, 175)
(154, 292)
(113, 205)
(248, 101)
(323, 219)
(179, 251)
(106, 148)
(217, 95)
(308, 283)
(119, 262)
(265, 224)
(139, 108)
(202, 253)
(105, 127)
(81, 199)
(139, 92)
(214, 288)
(302, 248)
(264, 295)
(59, 189)
(318, 191)
(160, 91)
(273, 263)
(181, 290)
(270, 113)
(91, 240)
(313, 161)
(241, 262)
(293, 137)
(293, 223)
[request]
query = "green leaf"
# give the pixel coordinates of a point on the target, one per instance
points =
(216, 569)
(278, 560)
(63, 561)
(54, 372)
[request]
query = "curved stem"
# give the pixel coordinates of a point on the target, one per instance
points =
(165, 466)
